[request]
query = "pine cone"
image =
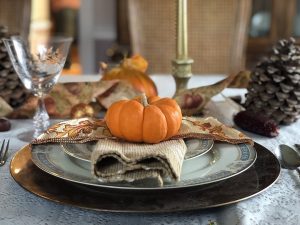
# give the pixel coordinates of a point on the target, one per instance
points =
(274, 88)
(11, 88)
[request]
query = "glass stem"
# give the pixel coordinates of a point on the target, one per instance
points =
(41, 118)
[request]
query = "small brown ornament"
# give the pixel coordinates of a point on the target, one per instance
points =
(82, 110)
(4, 124)
(256, 123)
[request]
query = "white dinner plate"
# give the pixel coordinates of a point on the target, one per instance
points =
(195, 148)
(222, 162)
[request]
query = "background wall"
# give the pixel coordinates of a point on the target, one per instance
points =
(97, 24)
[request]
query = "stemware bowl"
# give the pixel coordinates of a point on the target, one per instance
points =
(38, 64)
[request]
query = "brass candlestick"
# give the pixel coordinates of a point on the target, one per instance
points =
(181, 66)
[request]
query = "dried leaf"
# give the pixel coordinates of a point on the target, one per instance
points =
(241, 80)
(193, 100)
(121, 90)
(5, 108)
(63, 97)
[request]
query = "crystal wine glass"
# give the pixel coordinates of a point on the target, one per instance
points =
(38, 66)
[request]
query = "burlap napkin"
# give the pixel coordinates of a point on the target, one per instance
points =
(122, 161)
(117, 160)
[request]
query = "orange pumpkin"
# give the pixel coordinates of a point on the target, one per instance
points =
(142, 120)
(133, 70)
(137, 62)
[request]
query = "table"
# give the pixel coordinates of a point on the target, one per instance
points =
(280, 204)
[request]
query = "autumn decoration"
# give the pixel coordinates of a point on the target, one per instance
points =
(256, 123)
(82, 110)
(149, 120)
(123, 82)
(192, 101)
(132, 70)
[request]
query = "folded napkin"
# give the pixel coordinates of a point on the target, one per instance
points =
(89, 129)
(123, 161)
(116, 160)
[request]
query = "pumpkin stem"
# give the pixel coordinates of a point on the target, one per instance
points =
(144, 99)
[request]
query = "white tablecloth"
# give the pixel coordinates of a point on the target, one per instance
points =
(280, 204)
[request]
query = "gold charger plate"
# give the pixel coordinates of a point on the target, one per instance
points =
(258, 178)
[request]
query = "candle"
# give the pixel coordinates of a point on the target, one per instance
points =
(182, 46)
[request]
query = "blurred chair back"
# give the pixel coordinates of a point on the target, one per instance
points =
(217, 33)
(15, 14)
